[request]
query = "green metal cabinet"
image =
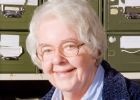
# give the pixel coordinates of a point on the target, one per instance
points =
(122, 15)
(14, 18)
(21, 65)
(123, 54)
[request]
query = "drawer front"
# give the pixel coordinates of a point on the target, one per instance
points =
(21, 65)
(124, 51)
(11, 18)
(122, 15)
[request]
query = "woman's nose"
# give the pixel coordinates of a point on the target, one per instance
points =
(58, 58)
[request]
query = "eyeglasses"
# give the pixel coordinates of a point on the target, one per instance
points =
(66, 49)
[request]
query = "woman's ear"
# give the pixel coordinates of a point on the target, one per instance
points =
(98, 53)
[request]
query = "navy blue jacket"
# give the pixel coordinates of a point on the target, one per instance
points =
(116, 86)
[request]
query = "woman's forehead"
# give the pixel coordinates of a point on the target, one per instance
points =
(55, 30)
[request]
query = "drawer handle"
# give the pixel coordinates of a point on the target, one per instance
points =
(132, 52)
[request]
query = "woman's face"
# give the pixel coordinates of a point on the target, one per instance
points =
(72, 73)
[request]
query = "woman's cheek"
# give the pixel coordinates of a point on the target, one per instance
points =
(79, 65)
(46, 67)
(80, 62)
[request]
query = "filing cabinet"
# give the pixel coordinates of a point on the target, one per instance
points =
(23, 63)
(120, 18)
(124, 51)
(122, 15)
(15, 16)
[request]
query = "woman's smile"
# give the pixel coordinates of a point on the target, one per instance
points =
(65, 73)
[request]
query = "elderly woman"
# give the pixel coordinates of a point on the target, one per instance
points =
(67, 42)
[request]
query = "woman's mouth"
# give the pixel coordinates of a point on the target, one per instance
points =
(65, 73)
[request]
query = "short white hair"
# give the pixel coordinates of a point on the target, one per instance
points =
(80, 15)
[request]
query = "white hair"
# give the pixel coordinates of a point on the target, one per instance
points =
(77, 13)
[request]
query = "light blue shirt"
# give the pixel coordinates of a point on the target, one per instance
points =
(93, 93)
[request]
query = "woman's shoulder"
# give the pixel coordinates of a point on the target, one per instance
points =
(118, 86)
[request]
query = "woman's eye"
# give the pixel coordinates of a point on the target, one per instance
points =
(47, 50)
(70, 46)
